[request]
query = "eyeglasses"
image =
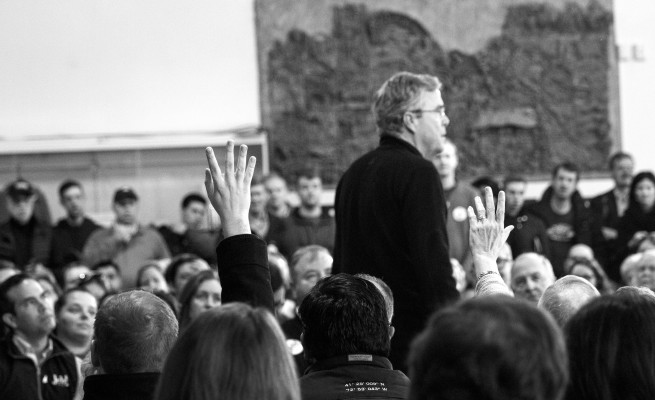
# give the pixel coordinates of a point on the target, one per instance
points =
(441, 110)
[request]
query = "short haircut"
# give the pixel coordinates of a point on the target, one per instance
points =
(275, 175)
(612, 347)
(67, 184)
(398, 95)
(387, 294)
(308, 254)
(485, 181)
(616, 157)
(536, 257)
(189, 291)
(514, 178)
(231, 352)
(134, 331)
(490, 348)
(192, 197)
(6, 304)
(178, 261)
(309, 172)
(566, 296)
(104, 264)
(61, 302)
(566, 166)
(342, 315)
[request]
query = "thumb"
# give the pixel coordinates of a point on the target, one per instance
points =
(506, 232)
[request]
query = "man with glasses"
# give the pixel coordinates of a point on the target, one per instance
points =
(390, 207)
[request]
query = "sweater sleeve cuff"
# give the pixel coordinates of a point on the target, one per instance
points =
(241, 249)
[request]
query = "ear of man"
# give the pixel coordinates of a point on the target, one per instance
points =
(9, 320)
(408, 121)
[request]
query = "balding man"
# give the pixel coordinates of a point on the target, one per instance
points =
(532, 273)
(566, 296)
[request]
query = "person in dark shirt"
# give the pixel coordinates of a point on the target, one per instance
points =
(71, 232)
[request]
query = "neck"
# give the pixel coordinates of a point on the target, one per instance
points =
(75, 221)
(622, 189)
(559, 205)
(448, 182)
(37, 342)
(310, 211)
(77, 345)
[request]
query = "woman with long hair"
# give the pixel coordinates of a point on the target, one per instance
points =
(233, 352)
(201, 293)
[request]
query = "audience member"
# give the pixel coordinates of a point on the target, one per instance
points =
(41, 208)
(482, 182)
(7, 272)
(590, 270)
(33, 364)
(489, 348)
(232, 352)
(47, 280)
(639, 219)
(126, 242)
(24, 239)
(629, 267)
(181, 269)
(151, 278)
(504, 262)
(134, 332)
(565, 214)
(531, 274)
(644, 271)
(309, 265)
(347, 337)
(278, 194)
(611, 348)
(386, 292)
(71, 232)
(529, 235)
(566, 296)
(110, 274)
(262, 222)
(309, 223)
(405, 242)
(285, 308)
(609, 207)
(459, 196)
(75, 312)
(72, 274)
(201, 293)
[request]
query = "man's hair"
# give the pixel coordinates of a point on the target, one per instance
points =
(191, 198)
(543, 261)
(67, 184)
(566, 166)
(611, 347)
(275, 175)
(134, 331)
(104, 264)
(342, 315)
(490, 348)
(485, 181)
(616, 157)
(308, 254)
(514, 178)
(566, 296)
(309, 172)
(387, 294)
(6, 304)
(398, 95)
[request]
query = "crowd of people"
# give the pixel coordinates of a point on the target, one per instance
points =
(415, 285)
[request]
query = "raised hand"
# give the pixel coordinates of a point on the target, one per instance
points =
(229, 191)
(487, 230)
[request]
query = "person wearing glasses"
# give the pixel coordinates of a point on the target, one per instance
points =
(391, 211)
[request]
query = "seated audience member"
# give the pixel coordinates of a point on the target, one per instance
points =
(201, 293)
(347, 338)
(386, 292)
(278, 194)
(110, 274)
(611, 345)
(590, 270)
(482, 182)
(629, 267)
(504, 262)
(73, 273)
(531, 274)
(24, 238)
(7, 270)
(308, 224)
(75, 312)
(285, 309)
(566, 296)
(151, 278)
(232, 352)
(189, 235)
(134, 332)
(47, 280)
(41, 208)
(71, 232)
(644, 271)
(309, 265)
(33, 364)
(581, 250)
(93, 284)
(489, 348)
(127, 243)
(262, 222)
(181, 269)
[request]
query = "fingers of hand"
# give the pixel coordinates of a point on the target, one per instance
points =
(472, 217)
(214, 169)
(500, 210)
(489, 200)
(482, 214)
(241, 163)
(250, 170)
(229, 160)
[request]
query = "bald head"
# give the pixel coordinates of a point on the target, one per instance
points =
(531, 274)
(566, 296)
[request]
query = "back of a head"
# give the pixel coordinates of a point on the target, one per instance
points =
(232, 352)
(611, 344)
(342, 315)
(566, 296)
(489, 348)
(384, 289)
(134, 331)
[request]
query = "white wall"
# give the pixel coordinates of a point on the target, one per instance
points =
(102, 66)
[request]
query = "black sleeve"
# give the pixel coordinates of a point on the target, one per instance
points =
(243, 270)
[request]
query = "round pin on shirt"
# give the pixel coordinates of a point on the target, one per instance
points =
(459, 214)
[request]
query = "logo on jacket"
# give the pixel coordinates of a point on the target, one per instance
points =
(56, 380)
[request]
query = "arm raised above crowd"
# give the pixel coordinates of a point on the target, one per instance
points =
(242, 256)
(486, 239)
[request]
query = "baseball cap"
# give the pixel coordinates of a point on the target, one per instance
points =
(124, 194)
(18, 189)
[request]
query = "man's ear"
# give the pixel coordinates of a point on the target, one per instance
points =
(9, 320)
(408, 121)
(392, 331)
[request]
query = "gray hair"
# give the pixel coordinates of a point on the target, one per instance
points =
(566, 296)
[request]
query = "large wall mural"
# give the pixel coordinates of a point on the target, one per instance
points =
(540, 90)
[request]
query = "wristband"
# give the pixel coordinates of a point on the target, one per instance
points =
(487, 273)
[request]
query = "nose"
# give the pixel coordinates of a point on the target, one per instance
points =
(446, 120)
(530, 284)
(211, 303)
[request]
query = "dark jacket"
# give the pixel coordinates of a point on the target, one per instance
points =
(391, 223)
(358, 376)
(39, 243)
(139, 386)
(528, 235)
(295, 231)
(633, 221)
(605, 214)
(68, 241)
(57, 378)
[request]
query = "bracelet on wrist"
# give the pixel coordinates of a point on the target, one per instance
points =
(487, 273)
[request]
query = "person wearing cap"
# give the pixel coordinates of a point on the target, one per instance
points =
(127, 243)
(24, 238)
